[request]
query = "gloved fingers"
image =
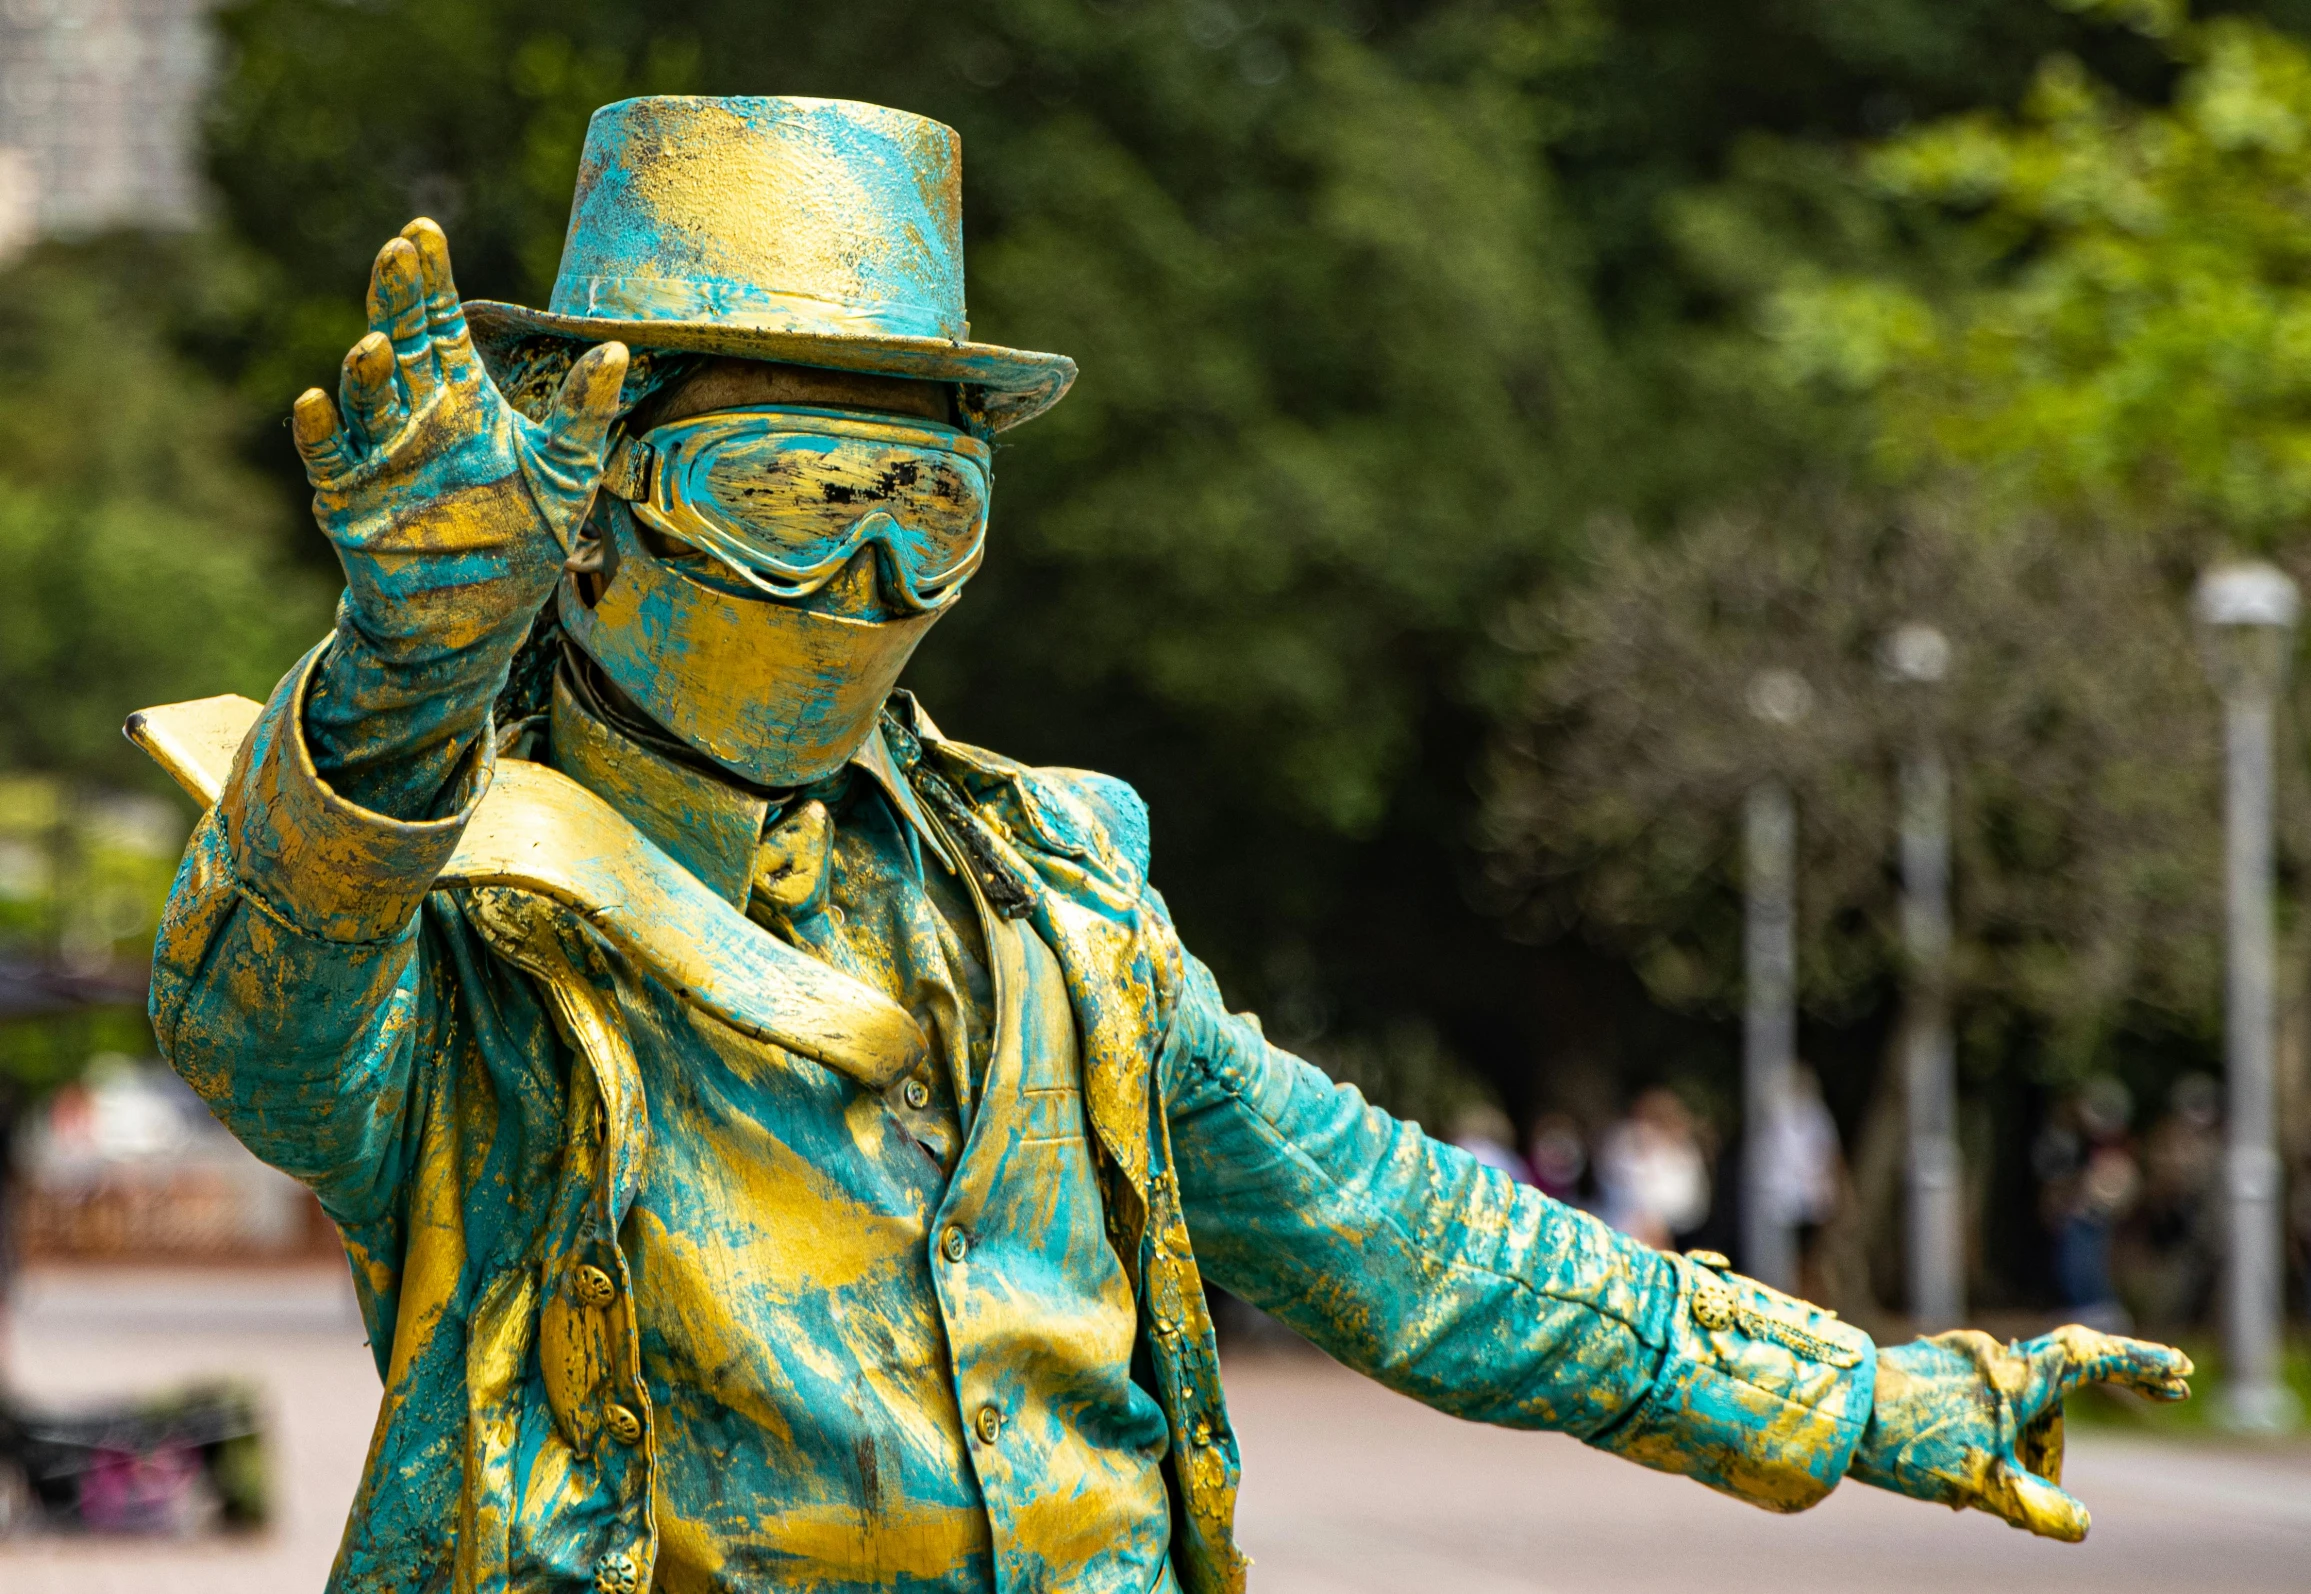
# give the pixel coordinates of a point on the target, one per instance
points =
(397, 309)
(453, 356)
(2074, 1355)
(578, 427)
(2028, 1501)
(321, 441)
(368, 390)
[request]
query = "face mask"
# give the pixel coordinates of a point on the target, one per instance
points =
(725, 653)
(788, 497)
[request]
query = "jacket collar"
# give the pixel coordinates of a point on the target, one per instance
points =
(708, 825)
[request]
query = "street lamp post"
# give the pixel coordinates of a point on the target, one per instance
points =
(1919, 656)
(1780, 698)
(2248, 614)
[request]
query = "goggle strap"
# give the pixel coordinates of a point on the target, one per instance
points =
(626, 473)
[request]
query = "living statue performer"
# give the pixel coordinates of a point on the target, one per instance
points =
(778, 1146)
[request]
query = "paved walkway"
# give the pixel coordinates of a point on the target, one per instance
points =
(1352, 1490)
(1349, 1489)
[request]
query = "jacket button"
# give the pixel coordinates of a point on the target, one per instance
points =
(625, 1427)
(614, 1574)
(989, 1424)
(954, 1245)
(594, 1287)
(917, 1093)
(1713, 1308)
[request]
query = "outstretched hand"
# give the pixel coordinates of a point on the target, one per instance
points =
(1967, 1421)
(450, 511)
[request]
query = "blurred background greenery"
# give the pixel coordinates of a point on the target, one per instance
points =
(1475, 396)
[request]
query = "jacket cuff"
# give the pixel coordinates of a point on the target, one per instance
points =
(321, 864)
(1759, 1395)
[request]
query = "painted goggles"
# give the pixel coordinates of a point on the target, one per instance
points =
(787, 497)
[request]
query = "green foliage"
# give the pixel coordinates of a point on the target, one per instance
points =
(2083, 743)
(1383, 310)
(1341, 378)
(145, 561)
(2131, 336)
(2053, 351)
(1331, 337)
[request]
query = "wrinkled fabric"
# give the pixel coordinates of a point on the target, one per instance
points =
(575, 1206)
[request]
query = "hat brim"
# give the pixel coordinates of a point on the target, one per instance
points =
(1014, 385)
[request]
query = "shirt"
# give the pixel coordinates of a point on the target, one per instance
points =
(811, 1222)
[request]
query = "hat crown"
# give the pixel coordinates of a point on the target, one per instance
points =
(818, 217)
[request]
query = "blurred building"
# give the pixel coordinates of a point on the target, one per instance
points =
(127, 1165)
(99, 115)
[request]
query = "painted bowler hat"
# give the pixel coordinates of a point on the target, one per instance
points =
(814, 232)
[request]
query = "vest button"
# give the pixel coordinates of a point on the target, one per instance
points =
(918, 1094)
(594, 1287)
(989, 1424)
(614, 1573)
(954, 1245)
(625, 1427)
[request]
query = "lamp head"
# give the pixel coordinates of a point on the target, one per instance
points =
(2246, 614)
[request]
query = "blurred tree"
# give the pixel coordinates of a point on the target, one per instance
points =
(145, 562)
(1378, 305)
(2084, 743)
(2058, 350)
(2085, 750)
(2092, 312)
(1340, 382)
(2121, 325)
(144, 559)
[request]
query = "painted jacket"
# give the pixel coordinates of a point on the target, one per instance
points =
(453, 1069)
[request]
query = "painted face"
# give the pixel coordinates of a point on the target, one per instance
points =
(745, 653)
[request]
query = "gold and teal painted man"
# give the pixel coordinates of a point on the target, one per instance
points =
(781, 1147)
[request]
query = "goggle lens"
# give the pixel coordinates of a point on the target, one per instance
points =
(788, 497)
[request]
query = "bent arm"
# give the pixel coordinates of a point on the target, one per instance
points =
(1414, 1264)
(291, 982)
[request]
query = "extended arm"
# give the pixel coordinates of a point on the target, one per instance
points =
(1410, 1262)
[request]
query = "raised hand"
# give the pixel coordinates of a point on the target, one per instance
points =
(450, 511)
(1967, 1421)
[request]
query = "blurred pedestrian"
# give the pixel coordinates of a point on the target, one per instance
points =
(1652, 1173)
(2091, 1181)
(12, 1100)
(1804, 1163)
(1805, 1167)
(2173, 1244)
(1559, 1157)
(1485, 1133)
(2299, 1224)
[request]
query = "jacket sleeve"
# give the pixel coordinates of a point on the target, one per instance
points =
(292, 983)
(1411, 1262)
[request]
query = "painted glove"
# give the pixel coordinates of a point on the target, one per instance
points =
(1967, 1421)
(450, 512)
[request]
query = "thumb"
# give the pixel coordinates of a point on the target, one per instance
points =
(587, 405)
(2026, 1500)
